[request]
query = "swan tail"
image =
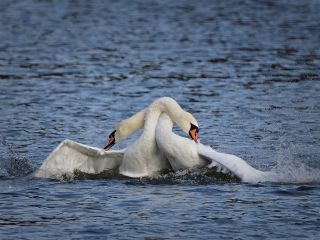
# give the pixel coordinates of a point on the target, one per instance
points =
(70, 156)
(232, 163)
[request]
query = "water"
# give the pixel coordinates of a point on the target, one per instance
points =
(247, 70)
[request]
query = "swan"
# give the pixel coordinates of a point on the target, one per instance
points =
(143, 157)
(184, 153)
(157, 148)
(140, 159)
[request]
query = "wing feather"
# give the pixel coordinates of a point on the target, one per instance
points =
(70, 156)
(234, 164)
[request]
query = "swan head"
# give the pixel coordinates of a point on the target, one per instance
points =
(189, 125)
(117, 135)
(123, 130)
(193, 133)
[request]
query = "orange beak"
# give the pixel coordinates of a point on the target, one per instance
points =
(194, 135)
(111, 142)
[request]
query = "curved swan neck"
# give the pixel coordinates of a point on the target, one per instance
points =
(128, 126)
(148, 118)
(175, 112)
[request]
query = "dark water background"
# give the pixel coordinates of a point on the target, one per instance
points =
(248, 71)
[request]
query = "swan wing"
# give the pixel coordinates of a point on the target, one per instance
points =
(234, 164)
(70, 156)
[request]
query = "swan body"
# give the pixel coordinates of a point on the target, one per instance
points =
(143, 157)
(181, 152)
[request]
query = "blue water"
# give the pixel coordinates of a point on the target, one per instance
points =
(247, 70)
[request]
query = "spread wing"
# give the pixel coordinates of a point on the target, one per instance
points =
(70, 156)
(234, 164)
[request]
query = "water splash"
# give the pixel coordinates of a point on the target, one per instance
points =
(292, 169)
(194, 176)
(223, 167)
(290, 173)
(12, 165)
(284, 172)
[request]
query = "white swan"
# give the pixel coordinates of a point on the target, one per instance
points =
(143, 157)
(183, 153)
(157, 148)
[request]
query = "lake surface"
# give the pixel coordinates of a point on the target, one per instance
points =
(247, 70)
